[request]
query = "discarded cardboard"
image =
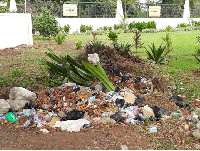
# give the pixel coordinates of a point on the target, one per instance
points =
(129, 98)
(53, 121)
(147, 111)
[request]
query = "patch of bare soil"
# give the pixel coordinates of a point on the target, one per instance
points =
(89, 139)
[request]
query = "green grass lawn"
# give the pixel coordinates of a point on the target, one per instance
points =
(28, 66)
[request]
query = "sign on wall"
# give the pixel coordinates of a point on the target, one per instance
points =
(69, 9)
(154, 11)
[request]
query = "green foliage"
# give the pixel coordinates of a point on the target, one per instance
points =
(96, 43)
(78, 44)
(113, 36)
(168, 28)
(84, 28)
(148, 121)
(16, 73)
(156, 54)
(45, 23)
(183, 25)
(142, 25)
(69, 68)
(100, 74)
(59, 38)
(196, 23)
(124, 46)
(168, 41)
(66, 28)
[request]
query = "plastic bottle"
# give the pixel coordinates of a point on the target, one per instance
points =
(128, 120)
(27, 123)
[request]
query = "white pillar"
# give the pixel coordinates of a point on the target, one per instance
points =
(186, 13)
(13, 6)
(119, 11)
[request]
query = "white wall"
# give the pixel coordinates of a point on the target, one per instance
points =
(75, 23)
(15, 29)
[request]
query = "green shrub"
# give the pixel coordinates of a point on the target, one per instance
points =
(124, 46)
(196, 23)
(113, 36)
(59, 38)
(66, 28)
(78, 44)
(83, 29)
(156, 54)
(183, 25)
(168, 28)
(45, 23)
(151, 25)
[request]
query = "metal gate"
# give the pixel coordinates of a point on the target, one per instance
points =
(141, 10)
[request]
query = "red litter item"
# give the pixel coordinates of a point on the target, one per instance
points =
(185, 112)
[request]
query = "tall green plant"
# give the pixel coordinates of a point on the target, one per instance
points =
(84, 75)
(45, 23)
(156, 54)
(168, 41)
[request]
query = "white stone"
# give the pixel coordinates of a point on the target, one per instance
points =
(44, 130)
(4, 106)
(198, 125)
(93, 58)
(71, 125)
(17, 104)
(195, 118)
(196, 134)
(19, 93)
(124, 147)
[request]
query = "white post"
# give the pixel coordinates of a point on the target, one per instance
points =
(186, 13)
(25, 6)
(119, 11)
(13, 6)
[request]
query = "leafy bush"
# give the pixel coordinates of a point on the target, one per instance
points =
(156, 54)
(45, 23)
(196, 23)
(84, 28)
(168, 28)
(124, 46)
(142, 25)
(78, 44)
(183, 25)
(59, 38)
(66, 28)
(113, 36)
(151, 24)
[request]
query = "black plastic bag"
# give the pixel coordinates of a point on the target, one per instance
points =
(125, 78)
(159, 111)
(30, 105)
(139, 100)
(73, 115)
(120, 102)
(117, 117)
(178, 100)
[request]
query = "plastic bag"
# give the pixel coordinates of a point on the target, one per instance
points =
(73, 115)
(117, 117)
(11, 117)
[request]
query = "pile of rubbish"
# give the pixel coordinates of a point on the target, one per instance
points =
(72, 107)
